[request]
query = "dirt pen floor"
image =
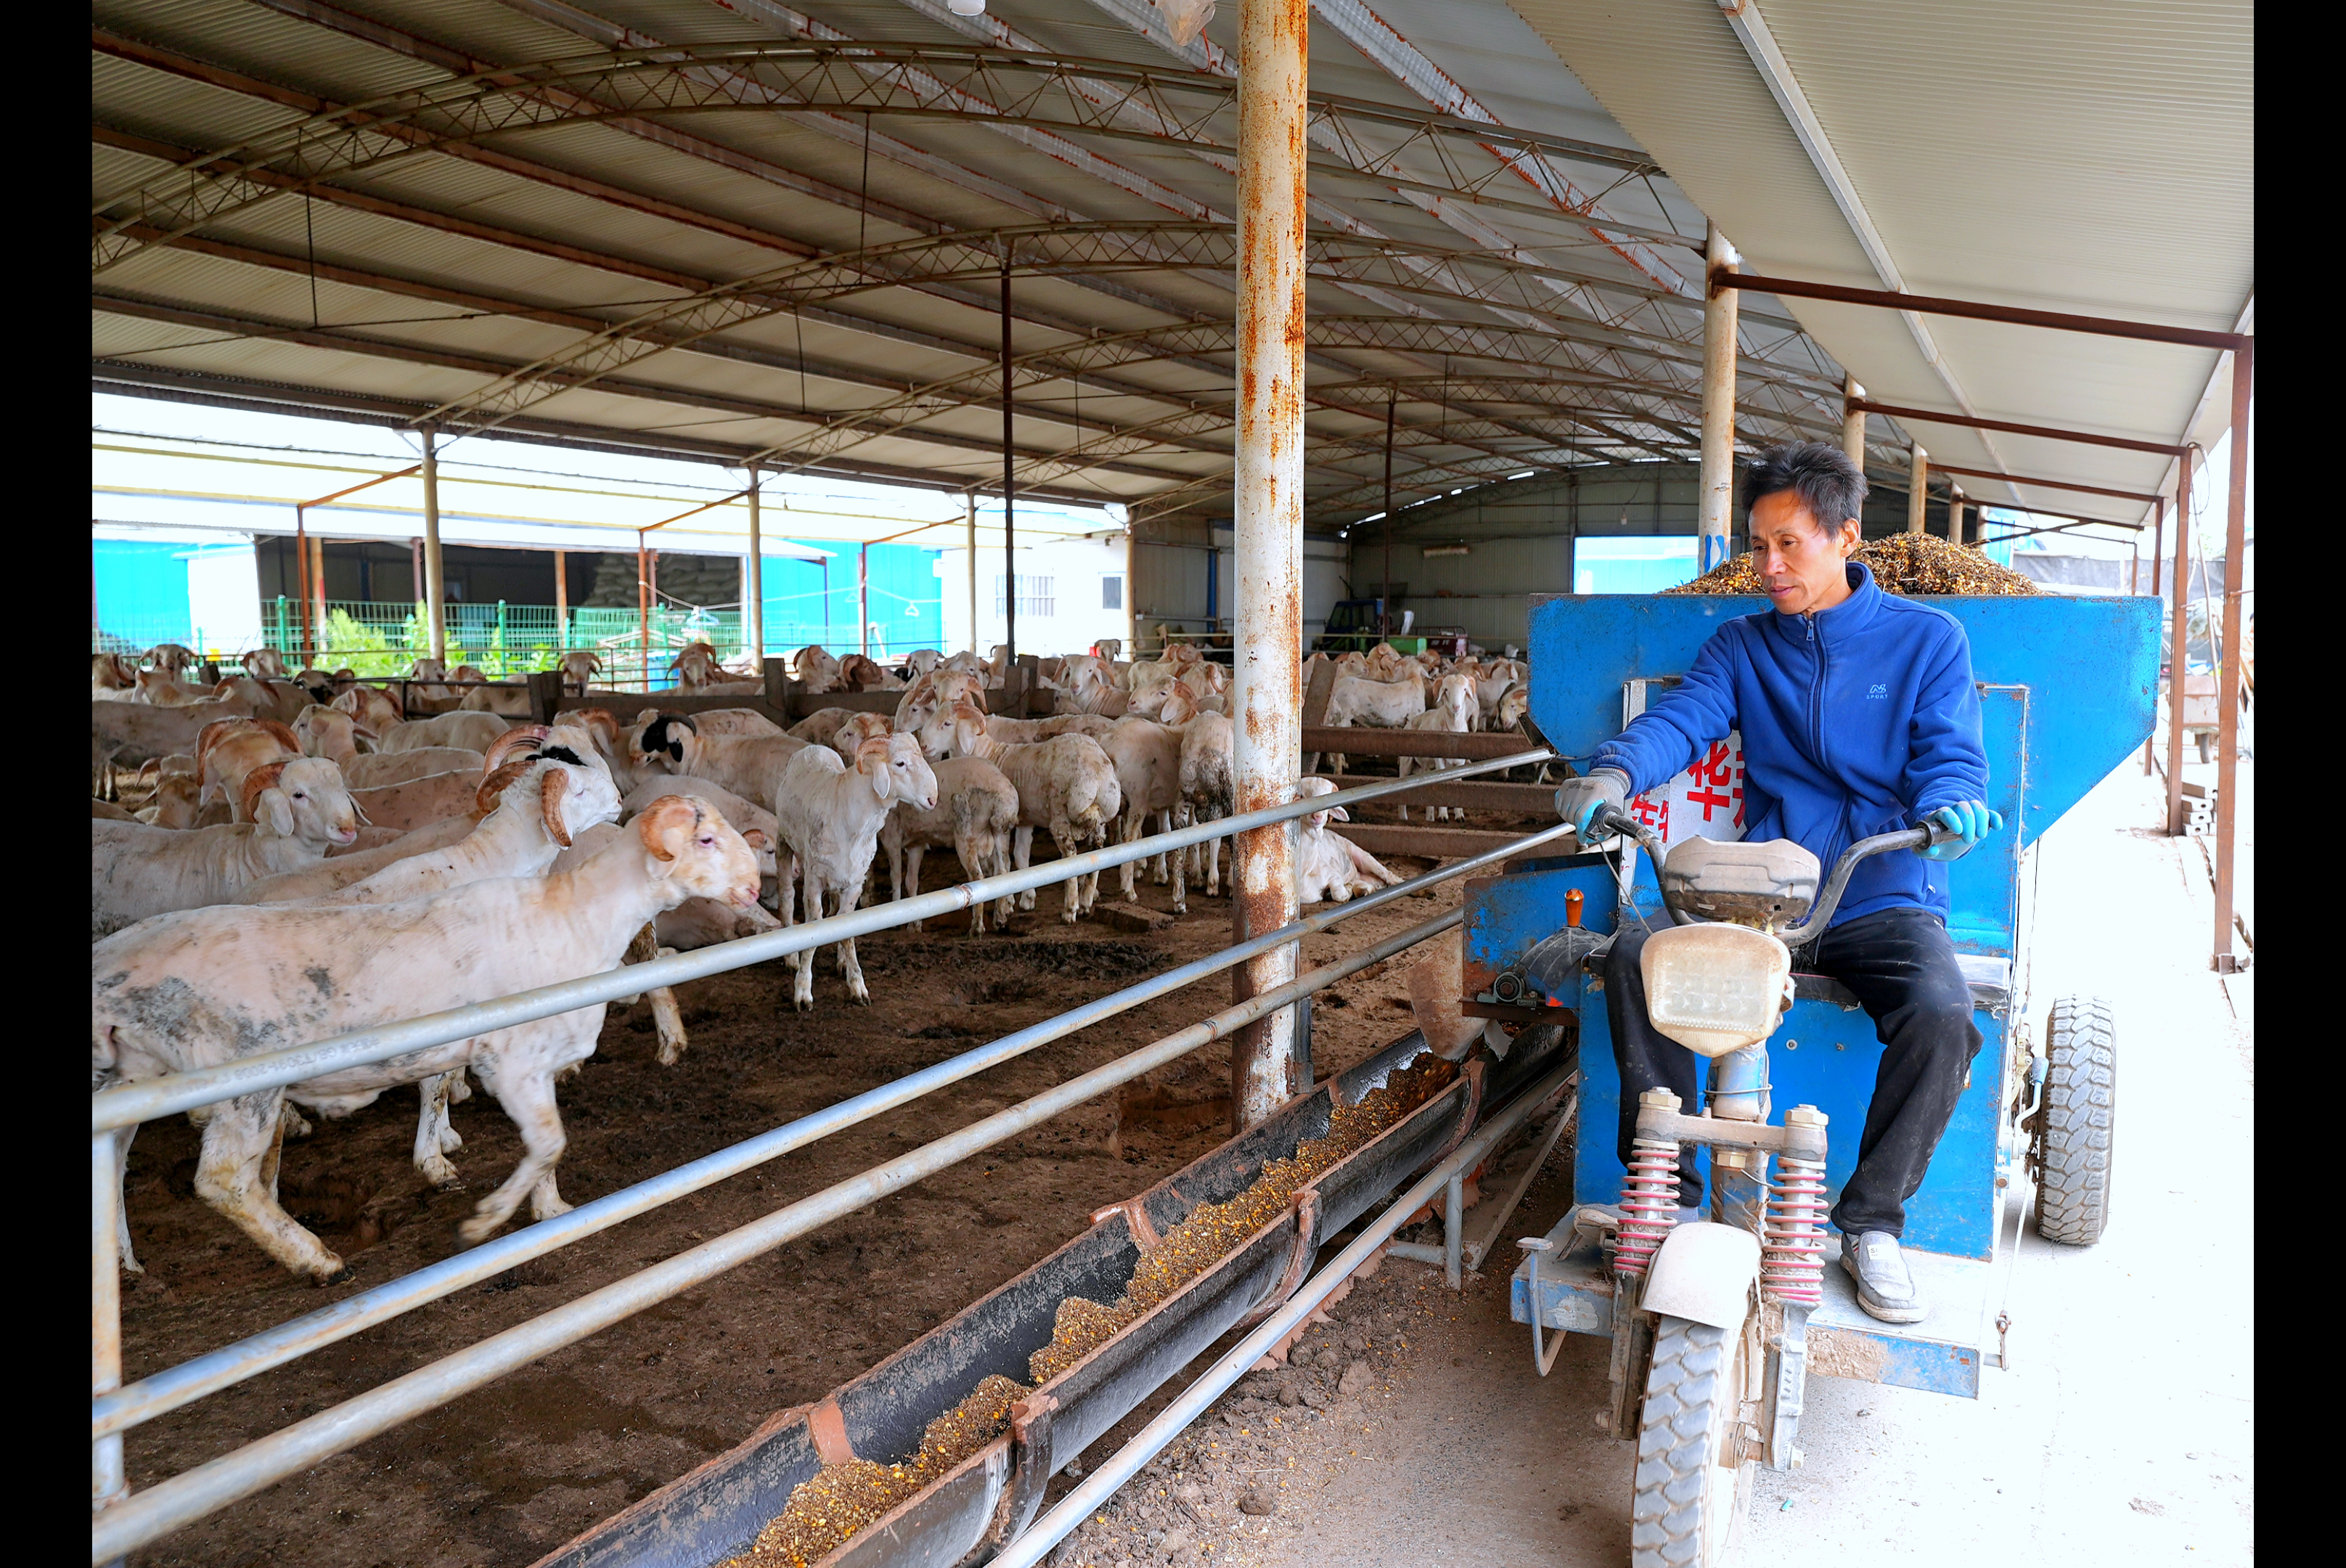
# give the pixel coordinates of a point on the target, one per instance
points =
(508, 1472)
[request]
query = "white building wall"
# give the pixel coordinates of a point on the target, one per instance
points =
(224, 598)
(1078, 574)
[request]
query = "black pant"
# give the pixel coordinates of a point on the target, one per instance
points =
(1901, 966)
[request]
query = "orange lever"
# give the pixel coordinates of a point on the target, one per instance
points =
(1572, 901)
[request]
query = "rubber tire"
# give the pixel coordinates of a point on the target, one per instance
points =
(2075, 1131)
(1688, 1511)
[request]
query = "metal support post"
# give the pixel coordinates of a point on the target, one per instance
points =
(863, 597)
(318, 592)
(969, 499)
(1268, 554)
(1385, 589)
(302, 578)
(1852, 422)
(1916, 476)
(753, 586)
(644, 607)
(1954, 516)
(1714, 518)
(435, 578)
(106, 1482)
(562, 604)
(2179, 644)
(1009, 540)
(2229, 684)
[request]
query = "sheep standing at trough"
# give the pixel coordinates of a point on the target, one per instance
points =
(748, 765)
(1452, 712)
(975, 813)
(1065, 784)
(578, 667)
(198, 990)
(298, 810)
(1209, 785)
(1147, 759)
(831, 815)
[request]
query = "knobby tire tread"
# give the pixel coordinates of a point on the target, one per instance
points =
(2073, 1194)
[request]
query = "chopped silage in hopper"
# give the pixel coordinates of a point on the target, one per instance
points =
(840, 1500)
(1915, 566)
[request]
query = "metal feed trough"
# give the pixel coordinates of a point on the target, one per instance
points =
(2066, 687)
(715, 1512)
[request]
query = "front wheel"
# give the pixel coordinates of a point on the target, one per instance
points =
(1693, 1486)
(2077, 1128)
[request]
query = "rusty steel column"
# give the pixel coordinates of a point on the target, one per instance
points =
(1954, 516)
(1852, 422)
(317, 585)
(1268, 523)
(1917, 493)
(863, 597)
(1715, 504)
(2179, 642)
(2229, 684)
(643, 606)
(1009, 540)
(1384, 590)
(969, 499)
(753, 586)
(435, 577)
(561, 604)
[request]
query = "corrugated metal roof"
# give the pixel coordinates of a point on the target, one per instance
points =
(2080, 158)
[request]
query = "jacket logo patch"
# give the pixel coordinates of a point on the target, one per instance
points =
(1872, 692)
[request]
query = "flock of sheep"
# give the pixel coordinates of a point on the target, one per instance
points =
(313, 860)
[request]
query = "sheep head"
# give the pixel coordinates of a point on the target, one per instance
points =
(697, 852)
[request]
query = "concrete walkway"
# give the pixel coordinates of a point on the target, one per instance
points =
(2122, 1433)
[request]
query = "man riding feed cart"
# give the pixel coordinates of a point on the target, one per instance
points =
(1718, 1319)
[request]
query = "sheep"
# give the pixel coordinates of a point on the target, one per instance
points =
(376, 770)
(1209, 785)
(857, 728)
(505, 701)
(859, 672)
(298, 809)
(817, 728)
(830, 815)
(109, 811)
(1108, 648)
(364, 859)
(748, 765)
(752, 821)
(1383, 704)
(191, 990)
(372, 706)
(1065, 784)
(333, 735)
(815, 670)
(160, 688)
(476, 730)
(1147, 759)
(404, 807)
(1327, 866)
(264, 664)
(173, 804)
(975, 813)
(735, 722)
(578, 669)
(920, 661)
(1491, 683)
(695, 664)
(1453, 713)
(112, 673)
(935, 693)
(172, 657)
(229, 749)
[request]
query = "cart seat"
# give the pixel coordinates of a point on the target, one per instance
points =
(1989, 975)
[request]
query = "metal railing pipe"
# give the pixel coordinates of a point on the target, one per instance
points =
(146, 1516)
(129, 1104)
(209, 1373)
(1112, 1473)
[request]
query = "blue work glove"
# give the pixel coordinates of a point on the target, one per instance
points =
(1578, 801)
(1970, 820)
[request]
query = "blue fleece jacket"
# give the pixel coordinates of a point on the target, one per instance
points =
(1857, 720)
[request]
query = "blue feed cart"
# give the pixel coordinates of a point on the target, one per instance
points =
(2067, 689)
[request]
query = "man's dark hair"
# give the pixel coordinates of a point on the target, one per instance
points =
(1827, 484)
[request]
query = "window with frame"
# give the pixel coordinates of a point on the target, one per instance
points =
(1111, 593)
(1035, 596)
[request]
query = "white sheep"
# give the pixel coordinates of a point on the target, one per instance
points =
(1147, 759)
(477, 731)
(298, 810)
(196, 990)
(975, 813)
(1065, 784)
(748, 765)
(830, 817)
(1453, 713)
(1327, 866)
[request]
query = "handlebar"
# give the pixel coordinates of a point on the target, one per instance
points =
(1610, 821)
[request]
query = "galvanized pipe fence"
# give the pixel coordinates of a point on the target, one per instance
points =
(123, 1522)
